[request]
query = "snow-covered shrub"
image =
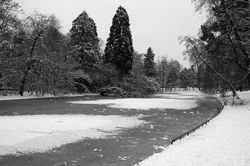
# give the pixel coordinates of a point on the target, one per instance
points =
(139, 85)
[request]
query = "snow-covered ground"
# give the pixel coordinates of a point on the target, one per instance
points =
(245, 96)
(143, 103)
(225, 141)
(39, 133)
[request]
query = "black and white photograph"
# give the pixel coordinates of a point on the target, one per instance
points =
(124, 83)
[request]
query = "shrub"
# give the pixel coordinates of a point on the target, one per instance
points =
(106, 75)
(112, 91)
(139, 86)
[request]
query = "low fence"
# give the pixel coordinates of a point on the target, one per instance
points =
(194, 129)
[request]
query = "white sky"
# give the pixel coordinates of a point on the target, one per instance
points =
(154, 23)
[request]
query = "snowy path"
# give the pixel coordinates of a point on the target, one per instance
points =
(224, 142)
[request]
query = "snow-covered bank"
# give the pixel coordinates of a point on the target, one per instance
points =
(29, 96)
(224, 142)
(181, 95)
(39, 133)
(245, 96)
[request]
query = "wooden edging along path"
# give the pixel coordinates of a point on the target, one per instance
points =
(194, 129)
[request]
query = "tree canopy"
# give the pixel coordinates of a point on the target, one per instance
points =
(84, 42)
(222, 50)
(119, 48)
(149, 64)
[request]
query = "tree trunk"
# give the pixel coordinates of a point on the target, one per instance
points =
(28, 64)
(248, 80)
(163, 77)
(223, 79)
(21, 88)
(23, 81)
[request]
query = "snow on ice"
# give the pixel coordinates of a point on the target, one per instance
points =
(143, 103)
(39, 133)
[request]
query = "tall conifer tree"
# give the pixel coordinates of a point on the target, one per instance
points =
(149, 64)
(119, 49)
(84, 41)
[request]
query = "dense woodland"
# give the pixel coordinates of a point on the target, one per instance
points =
(36, 57)
(221, 53)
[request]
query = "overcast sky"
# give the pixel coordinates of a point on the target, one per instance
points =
(154, 23)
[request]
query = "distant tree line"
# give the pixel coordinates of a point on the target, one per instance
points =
(171, 75)
(36, 57)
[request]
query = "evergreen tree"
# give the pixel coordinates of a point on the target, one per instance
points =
(208, 83)
(184, 78)
(187, 78)
(119, 49)
(85, 42)
(172, 78)
(149, 64)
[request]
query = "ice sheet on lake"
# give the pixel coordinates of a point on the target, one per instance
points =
(39, 133)
(143, 103)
